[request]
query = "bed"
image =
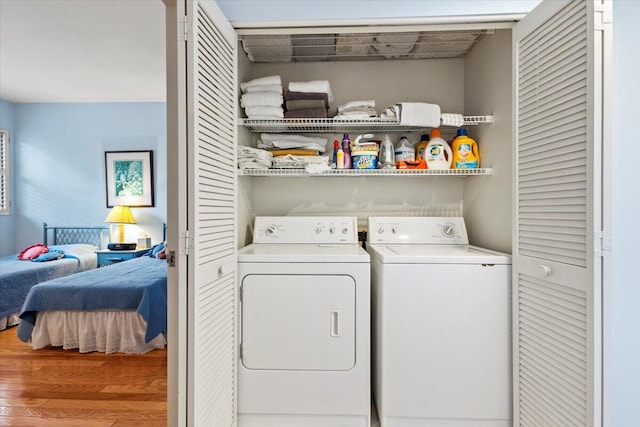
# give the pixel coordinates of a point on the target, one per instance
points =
(17, 276)
(119, 308)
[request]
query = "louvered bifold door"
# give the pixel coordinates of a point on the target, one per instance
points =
(211, 93)
(557, 272)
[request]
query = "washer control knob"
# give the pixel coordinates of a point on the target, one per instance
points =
(448, 230)
(394, 230)
(345, 230)
(271, 230)
(380, 230)
(319, 229)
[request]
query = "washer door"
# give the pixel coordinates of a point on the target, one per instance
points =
(298, 322)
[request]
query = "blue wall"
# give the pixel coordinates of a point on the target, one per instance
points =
(278, 10)
(625, 362)
(59, 171)
(7, 222)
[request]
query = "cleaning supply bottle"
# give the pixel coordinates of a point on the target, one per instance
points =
(404, 150)
(465, 151)
(340, 159)
(335, 153)
(346, 149)
(387, 158)
(437, 153)
(424, 140)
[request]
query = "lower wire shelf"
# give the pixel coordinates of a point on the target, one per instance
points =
(365, 172)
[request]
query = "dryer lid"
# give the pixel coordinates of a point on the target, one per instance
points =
(436, 254)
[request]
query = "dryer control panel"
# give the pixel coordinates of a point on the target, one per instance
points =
(306, 229)
(417, 230)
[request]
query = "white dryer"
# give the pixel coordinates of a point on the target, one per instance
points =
(441, 315)
(304, 323)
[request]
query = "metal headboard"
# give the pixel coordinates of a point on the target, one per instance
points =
(164, 231)
(71, 235)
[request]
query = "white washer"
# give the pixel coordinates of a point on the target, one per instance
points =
(304, 322)
(441, 312)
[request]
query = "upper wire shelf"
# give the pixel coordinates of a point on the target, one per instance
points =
(365, 172)
(330, 125)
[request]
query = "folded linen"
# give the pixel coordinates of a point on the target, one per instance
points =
(356, 104)
(393, 45)
(294, 152)
(450, 119)
(390, 113)
(356, 115)
(267, 80)
(313, 86)
(264, 88)
(291, 144)
(307, 113)
(253, 153)
(264, 112)
(290, 96)
(419, 114)
(272, 137)
(265, 99)
(359, 111)
(291, 161)
(254, 164)
(302, 104)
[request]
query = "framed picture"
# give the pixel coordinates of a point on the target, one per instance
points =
(129, 177)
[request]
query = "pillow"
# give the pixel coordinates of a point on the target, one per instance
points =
(52, 255)
(33, 251)
(157, 248)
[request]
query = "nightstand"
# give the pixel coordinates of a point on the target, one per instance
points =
(107, 257)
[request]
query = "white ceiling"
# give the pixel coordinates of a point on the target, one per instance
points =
(82, 50)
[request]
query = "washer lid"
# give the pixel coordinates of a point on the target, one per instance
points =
(318, 253)
(436, 254)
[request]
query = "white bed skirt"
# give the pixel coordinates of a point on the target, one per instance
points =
(8, 321)
(103, 331)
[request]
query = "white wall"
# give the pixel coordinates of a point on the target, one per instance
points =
(275, 10)
(625, 309)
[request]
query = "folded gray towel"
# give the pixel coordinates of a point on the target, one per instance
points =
(289, 96)
(302, 104)
(316, 113)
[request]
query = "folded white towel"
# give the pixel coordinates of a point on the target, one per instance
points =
(298, 162)
(267, 80)
(270, 137)
(264, 112)
(253, 153)
(253, 165)
(353, 104)
(419, 114)
(450, 119)
(355, 116)
(266, 99)
(313, 86)
(264, 88)
(285, 145)
(390, 113)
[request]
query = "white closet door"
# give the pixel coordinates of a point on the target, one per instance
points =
(211, 177)
(557, 284)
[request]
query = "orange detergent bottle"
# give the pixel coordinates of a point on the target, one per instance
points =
(465, 151)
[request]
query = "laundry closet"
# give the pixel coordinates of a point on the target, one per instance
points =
(537, 195)
(465, 71)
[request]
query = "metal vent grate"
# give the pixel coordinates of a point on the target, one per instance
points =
(359, 46)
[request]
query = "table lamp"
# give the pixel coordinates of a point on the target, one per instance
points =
(120, 215)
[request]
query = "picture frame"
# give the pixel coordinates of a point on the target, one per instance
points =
(129, 178)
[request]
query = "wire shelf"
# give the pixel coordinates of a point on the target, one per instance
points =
(342, 125)
(365, 172)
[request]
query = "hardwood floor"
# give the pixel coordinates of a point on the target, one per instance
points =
(55, 387)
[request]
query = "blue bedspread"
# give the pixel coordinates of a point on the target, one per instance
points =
(139, 284)
(17, 276)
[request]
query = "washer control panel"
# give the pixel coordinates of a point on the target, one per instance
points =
(418, 230)
(305, 229)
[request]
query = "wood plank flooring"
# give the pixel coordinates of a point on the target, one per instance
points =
(55, 387)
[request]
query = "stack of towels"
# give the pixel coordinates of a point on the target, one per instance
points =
(357, 110)
(254, 158)
(262, 98)
(414, 114)
(294, 151)
(309, 99)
